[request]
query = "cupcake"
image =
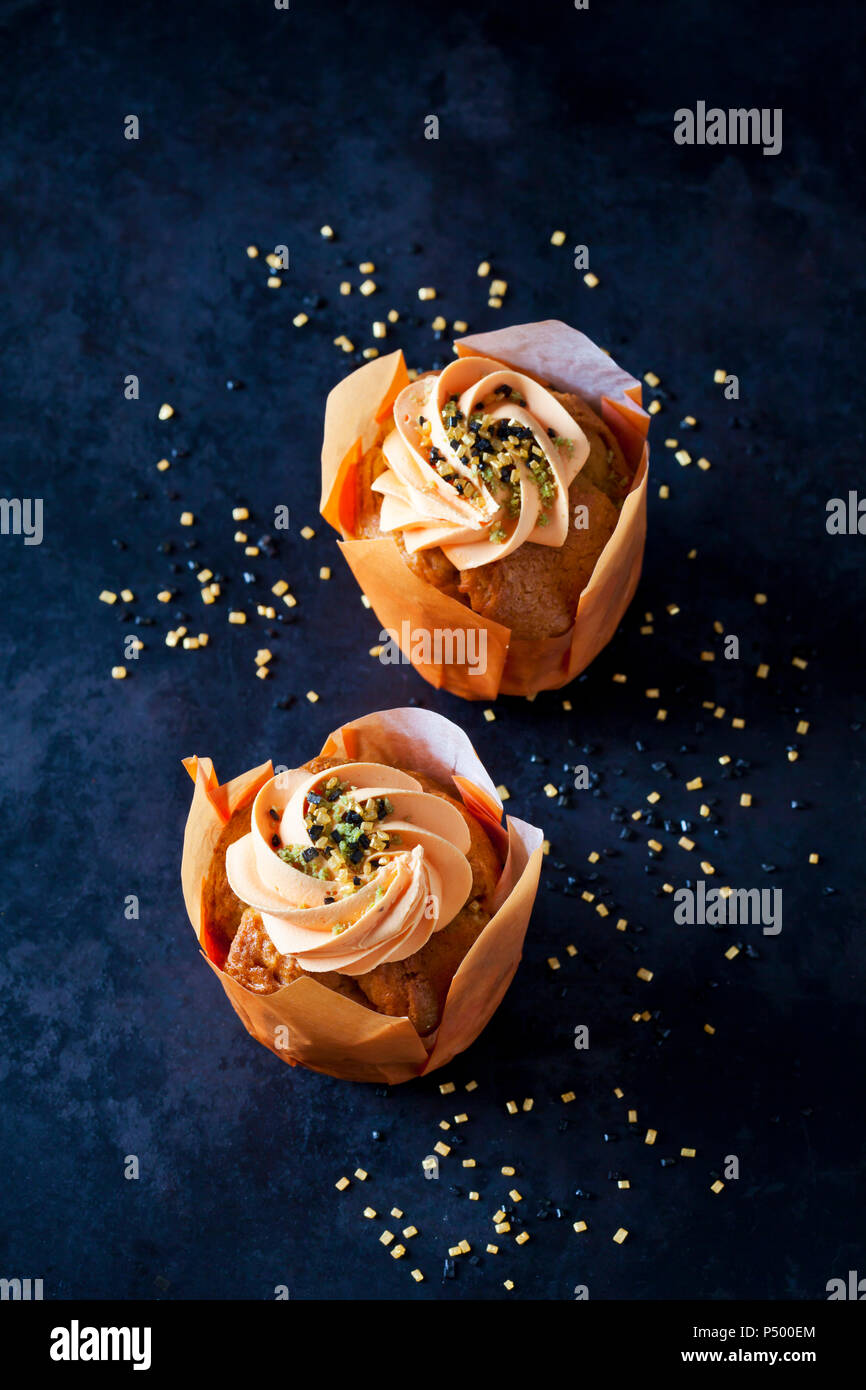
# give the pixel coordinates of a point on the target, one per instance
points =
(493, 512)
(365, 911)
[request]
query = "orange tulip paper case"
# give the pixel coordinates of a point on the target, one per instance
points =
(308, 1024)
(567, 360)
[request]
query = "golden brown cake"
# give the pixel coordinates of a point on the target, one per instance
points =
(363, 920)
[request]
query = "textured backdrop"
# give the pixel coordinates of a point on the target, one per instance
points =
(128, 257)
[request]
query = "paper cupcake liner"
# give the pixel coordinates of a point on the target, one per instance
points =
(306, 1023)
(356, 408)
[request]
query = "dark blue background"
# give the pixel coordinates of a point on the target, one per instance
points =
(128, 257)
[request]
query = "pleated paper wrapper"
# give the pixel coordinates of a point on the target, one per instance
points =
(306, 1023)
(356, 410)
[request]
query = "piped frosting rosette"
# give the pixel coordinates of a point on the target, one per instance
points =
(433, 490)
(349, 910)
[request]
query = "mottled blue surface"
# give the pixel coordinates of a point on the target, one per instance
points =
(128, 257)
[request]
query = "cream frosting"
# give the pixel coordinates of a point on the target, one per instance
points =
(422, 880)
(428, 511)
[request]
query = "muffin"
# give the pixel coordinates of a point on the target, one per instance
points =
(369, 877)
(487, 494)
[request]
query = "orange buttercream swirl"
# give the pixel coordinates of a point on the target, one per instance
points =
(480, 459)
(351, 867)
